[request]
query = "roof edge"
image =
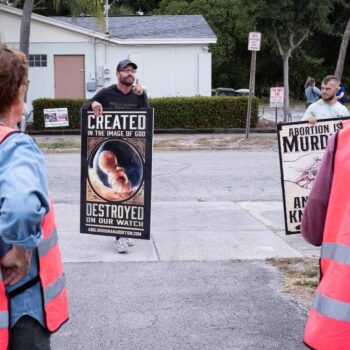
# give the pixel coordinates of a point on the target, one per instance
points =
(107, 37)
(177, 41)
(60, 24)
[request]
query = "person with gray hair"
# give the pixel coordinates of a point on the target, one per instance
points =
(328, 107)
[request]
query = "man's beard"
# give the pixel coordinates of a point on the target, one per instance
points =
(127, 81)
(329, 98)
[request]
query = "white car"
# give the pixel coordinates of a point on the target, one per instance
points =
(242, 92)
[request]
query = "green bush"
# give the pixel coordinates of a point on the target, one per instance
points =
(203, 112)
(170, 112)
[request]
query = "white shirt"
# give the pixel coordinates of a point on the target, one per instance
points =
(324, 110)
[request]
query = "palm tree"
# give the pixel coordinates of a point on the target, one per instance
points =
(87, 7)
(95, 7)
(25, 26)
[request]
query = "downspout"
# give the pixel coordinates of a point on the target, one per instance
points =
(106, 44)
(106, 16)
(95, 59)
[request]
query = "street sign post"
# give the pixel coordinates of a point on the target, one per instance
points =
(254, 44)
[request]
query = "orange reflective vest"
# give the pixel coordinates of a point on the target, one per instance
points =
(328, 325)
(51, 276)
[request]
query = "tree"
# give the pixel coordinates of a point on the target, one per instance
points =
(117, 9)
(25, 26)
(25, 22)
(230, 56)
(28, 7)
(342, 52)
(87, 7)
(231, 20)
(145, 6)
(287, 23)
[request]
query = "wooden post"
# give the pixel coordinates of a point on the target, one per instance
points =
(251, 92)
(276, 116)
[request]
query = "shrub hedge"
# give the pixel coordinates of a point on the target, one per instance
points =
(203, 112)
(170, 112)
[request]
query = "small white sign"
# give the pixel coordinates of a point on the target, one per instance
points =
(276, 96)
(56, 117)
(254, 41)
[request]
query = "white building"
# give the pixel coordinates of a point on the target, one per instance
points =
(76, 59)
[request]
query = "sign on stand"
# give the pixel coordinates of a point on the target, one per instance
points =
(56, 117)
(276, 98)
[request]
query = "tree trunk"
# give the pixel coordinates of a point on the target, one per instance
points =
(286, 87)
(25, 26)
(342, 52)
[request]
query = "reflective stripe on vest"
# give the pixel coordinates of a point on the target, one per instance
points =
(337, 252)
(328, 325)
(4, 317)
(4, 314)
(332, 308)
(54, 289)
(48, 243)
(50, 272)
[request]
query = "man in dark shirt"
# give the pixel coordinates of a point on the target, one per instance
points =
(127, 93)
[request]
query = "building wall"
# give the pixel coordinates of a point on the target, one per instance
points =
(165, 70)
(42, 82)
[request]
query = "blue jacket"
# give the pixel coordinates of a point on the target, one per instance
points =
(24, 202)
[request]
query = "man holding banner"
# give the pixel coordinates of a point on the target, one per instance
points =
(328, 106)
(127, 93)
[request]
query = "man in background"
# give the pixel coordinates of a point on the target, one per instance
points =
(328, 106)
(341, 94)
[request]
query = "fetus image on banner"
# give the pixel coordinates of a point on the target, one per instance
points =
(117, 178)
(115, 170)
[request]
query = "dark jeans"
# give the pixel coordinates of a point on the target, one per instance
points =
(28, 334)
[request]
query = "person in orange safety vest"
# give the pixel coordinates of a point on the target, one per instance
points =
(326, 222)
(33, 294)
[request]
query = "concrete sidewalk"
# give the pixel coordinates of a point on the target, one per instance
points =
(202, 281)
(200, 226)
(221, 231)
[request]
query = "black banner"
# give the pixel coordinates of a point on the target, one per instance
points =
(116, 172)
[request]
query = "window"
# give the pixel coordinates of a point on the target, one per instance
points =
(37, 60)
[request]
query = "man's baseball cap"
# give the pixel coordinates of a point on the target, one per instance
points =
(123, 64)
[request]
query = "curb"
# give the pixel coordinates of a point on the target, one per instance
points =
(57, 132)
